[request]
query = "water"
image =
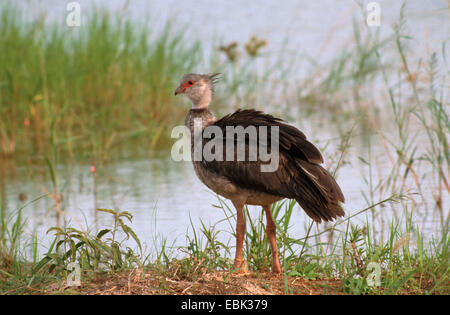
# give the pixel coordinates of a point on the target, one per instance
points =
(299, 28)
(164, 195)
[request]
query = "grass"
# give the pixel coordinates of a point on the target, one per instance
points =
(72, 83)
(121, 78)
(346, 266)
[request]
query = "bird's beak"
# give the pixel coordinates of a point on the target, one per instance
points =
(179, 90)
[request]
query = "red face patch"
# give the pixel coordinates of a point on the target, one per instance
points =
(188, 84)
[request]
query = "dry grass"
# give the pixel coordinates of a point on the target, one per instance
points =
(141, 281)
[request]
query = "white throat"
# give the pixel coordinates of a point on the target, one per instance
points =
(204, 100)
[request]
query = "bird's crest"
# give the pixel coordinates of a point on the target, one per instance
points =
(212, 79)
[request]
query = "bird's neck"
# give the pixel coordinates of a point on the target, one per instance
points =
(203, 101)
(205, 116)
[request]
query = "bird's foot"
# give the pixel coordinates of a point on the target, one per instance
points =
(240, 266)
(276, 268)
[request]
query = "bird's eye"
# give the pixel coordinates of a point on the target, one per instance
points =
(190, 82)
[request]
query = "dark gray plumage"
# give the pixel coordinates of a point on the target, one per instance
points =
(299, 175)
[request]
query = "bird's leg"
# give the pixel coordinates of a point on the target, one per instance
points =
(271, 234)
(239, 263)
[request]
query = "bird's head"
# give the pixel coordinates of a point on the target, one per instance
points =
(198, 88)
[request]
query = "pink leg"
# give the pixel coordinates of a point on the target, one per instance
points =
(239, 263)
(271, 234)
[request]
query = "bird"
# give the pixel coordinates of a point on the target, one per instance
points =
(298, 175)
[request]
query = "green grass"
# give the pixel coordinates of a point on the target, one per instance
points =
(353, 256)
(73, 83)
(72, 90)
(91, 87)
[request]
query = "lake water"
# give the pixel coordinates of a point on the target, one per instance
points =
(313, 28)
(164, 195)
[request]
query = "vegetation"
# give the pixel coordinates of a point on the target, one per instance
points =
(121, 78)
(352, 264)
(72, 84)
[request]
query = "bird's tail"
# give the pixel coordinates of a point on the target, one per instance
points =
(322, 202)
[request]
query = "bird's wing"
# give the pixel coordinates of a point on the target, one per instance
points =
(298, 175)
(291, 139)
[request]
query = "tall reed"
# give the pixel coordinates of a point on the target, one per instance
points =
(91, 86)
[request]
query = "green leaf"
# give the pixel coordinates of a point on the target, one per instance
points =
(52, 171)
(126, 214)
(134, 236)
(102, 232)
(57, 229)
(107, 211)
(41, 263)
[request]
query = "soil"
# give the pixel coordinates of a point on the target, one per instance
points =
(140, 281)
